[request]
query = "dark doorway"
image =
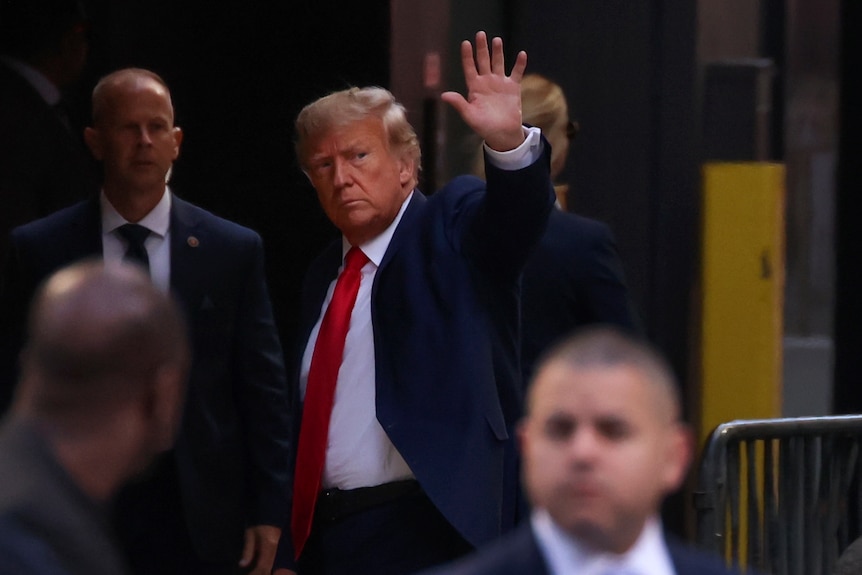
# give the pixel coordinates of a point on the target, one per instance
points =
(239, 72)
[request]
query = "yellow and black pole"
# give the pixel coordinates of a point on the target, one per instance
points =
(742, 251)
(742, 279)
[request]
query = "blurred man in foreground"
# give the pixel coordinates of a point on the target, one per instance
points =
(602, 445)
(101, 392)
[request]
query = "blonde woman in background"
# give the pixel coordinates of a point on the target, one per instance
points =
(543, 104)
(575, 277)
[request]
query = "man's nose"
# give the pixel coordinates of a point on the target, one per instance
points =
(341, 174)
(584, 444)
(145, 137)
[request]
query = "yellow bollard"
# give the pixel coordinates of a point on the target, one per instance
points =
(742, 291)
(742, 281)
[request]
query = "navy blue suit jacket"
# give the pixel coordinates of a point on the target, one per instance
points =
(445, 309)
(232, 451)
(518, 553)
(573, 278)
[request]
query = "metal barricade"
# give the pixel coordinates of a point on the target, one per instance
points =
(781, 496)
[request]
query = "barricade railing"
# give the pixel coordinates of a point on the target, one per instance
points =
(781, 496)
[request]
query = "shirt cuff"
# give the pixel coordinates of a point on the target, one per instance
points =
(522, 156)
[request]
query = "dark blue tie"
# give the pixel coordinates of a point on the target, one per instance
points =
(135, 235)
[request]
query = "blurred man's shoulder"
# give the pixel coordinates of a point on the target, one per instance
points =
(691, 560)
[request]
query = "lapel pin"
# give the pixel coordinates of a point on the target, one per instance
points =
(193, 242)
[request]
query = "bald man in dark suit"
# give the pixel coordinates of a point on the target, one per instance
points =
(217, 501)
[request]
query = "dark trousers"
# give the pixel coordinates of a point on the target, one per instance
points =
(151, 528)
(395, 538)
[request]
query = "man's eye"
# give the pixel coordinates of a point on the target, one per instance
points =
(559, 429)
(614, 429)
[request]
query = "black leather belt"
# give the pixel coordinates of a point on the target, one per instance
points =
(335, 504)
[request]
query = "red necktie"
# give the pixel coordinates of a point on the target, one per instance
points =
(319, 393)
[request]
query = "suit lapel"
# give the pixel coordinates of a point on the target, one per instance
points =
(320, 275)
(85, 239)
(408, 221)
(325, 269)
(317, 279)
(688, 560)
(526, 549)
(188, 240)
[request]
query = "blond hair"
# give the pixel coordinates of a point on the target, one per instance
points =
(352, 105)
(543, 105)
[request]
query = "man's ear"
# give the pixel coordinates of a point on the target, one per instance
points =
(679, 452)
(178, 139)
(94, 141)
(406, 170)
(521, 435)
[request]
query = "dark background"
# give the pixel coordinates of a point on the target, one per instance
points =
(239, 72)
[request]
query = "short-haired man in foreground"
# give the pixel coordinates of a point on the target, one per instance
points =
(101, 391)
(602, 444)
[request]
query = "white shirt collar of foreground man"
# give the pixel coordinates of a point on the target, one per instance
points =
(648, 556)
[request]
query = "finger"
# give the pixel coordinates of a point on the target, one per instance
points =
(519, 67)
(267, 556)
(455, 100)
(458, 102)
(259, 569)
(467, 62)
(483, 60)
(497, 61)
(247, 549)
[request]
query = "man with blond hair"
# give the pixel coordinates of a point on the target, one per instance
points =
(404, 456)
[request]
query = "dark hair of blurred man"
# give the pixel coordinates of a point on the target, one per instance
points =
(101, 393)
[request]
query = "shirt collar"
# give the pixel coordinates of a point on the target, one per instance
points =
(564, 554)
(649, 555)
(376, 248)
(157, 221)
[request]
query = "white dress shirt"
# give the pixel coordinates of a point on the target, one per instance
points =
(157, 244)
(565, 555)
(359, 453)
